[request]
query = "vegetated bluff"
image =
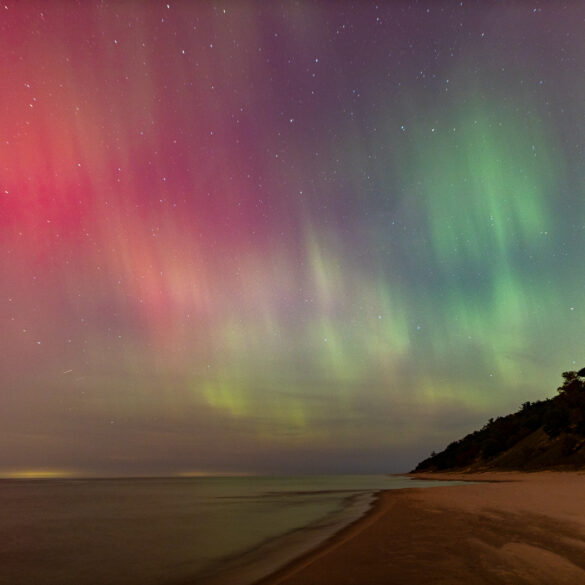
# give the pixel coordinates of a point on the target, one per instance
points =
(545, 434)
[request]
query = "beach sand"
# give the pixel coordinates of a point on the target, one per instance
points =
(512, 528)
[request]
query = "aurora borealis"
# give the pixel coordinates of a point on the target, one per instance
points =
(285, 236)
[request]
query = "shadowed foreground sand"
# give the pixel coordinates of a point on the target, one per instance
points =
(524, 529)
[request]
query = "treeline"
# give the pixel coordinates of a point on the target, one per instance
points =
(551, 432)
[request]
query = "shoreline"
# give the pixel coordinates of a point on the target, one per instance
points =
(272, 555)
(328, 545)
(505, 527)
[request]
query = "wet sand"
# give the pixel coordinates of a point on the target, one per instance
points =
(512, 528)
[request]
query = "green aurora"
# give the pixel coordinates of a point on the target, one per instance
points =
(304, 239)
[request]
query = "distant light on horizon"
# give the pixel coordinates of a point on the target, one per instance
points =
(196, 474)
(39, 474)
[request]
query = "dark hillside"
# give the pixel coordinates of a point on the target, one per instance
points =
(547, 434)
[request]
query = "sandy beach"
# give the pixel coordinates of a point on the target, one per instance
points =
(511, 528)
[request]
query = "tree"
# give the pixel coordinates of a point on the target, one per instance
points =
(492, 447)
(556, 420)
(572, 382)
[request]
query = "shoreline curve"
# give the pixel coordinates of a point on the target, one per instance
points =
(505, 528)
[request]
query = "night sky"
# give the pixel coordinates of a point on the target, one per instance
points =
(283, 236)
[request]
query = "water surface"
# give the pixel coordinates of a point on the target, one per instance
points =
(171, 531)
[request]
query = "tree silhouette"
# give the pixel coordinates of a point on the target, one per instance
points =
(553, 428)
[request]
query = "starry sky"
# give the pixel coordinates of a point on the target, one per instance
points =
(283, 237)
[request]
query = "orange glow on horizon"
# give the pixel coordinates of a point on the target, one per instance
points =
(215, 474)
(39, 474)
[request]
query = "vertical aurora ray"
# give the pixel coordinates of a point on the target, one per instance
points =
(282, 237)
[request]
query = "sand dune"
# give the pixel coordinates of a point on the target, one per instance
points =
(512, 528)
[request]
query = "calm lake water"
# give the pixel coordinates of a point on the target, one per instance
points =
(171, 531)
